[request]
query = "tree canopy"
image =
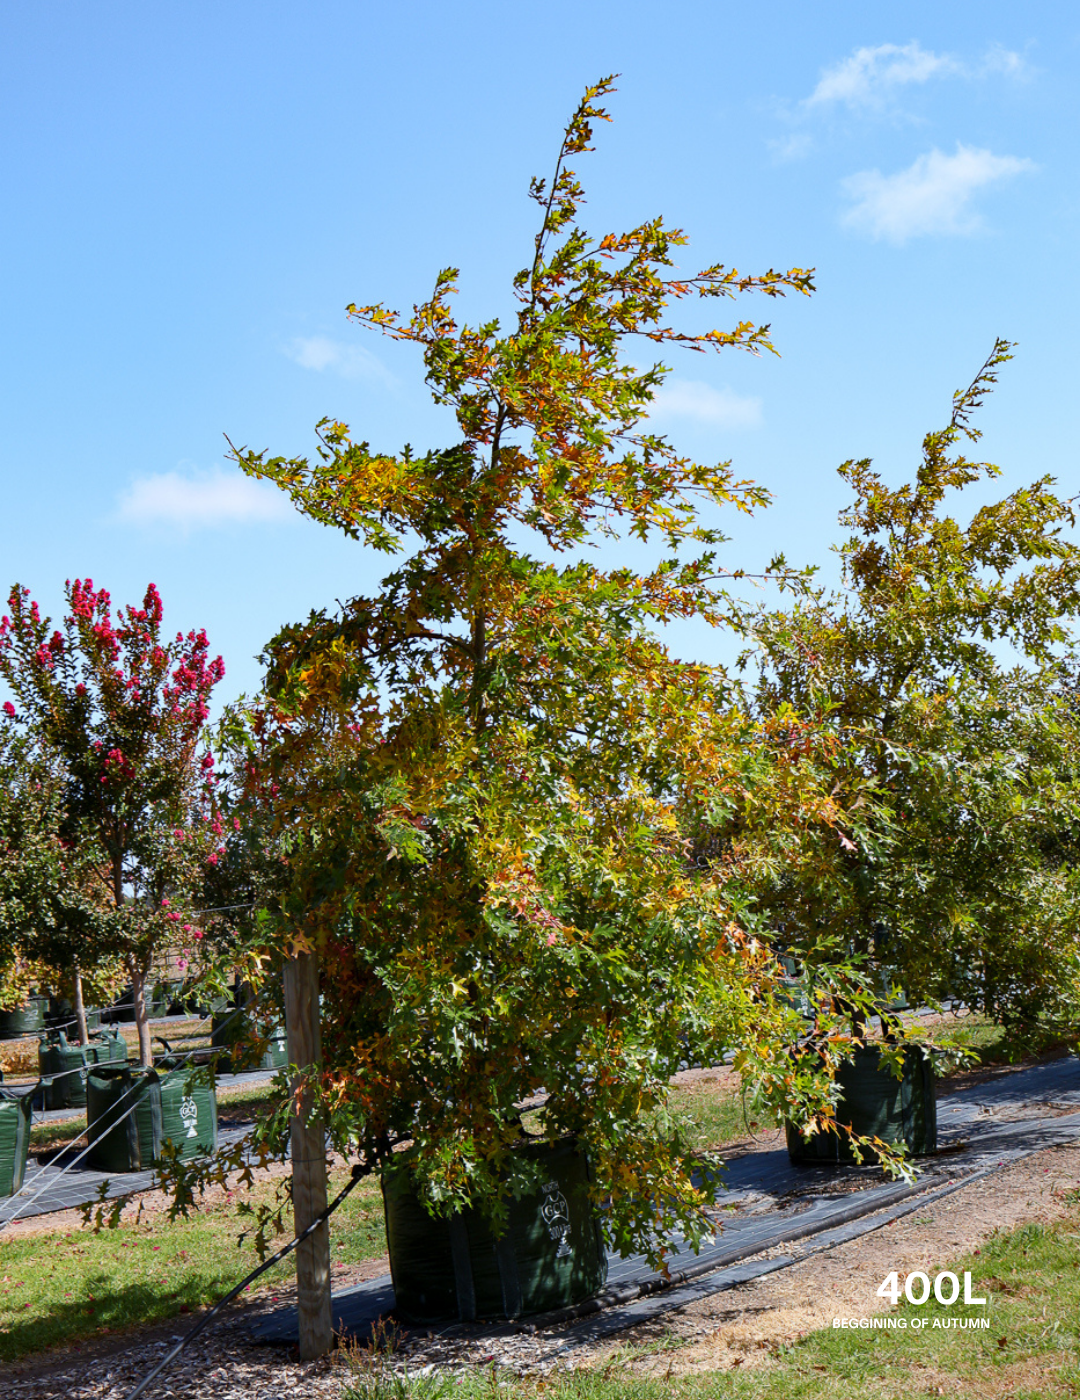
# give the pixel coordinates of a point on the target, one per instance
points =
(944, 669)
(489, 777)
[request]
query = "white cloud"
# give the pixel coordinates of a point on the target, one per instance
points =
(870, 77)
(689, 398)
(202, 498)
(933, 195)
(320, 353)
(870, 74)
(999, 60)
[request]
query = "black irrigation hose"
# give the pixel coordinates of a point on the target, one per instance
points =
(359, 1171)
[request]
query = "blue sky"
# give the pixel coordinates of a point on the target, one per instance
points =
(194, 192)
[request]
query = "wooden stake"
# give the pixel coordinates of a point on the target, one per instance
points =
(142, 1013)
(80, 1010)
(308, 1144)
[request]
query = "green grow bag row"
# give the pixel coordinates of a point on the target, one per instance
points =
(24, 1020)
(166, 1111)
(61, 1016)
(69, 1062)
(875, 1103)
(236, 1032)
(157, 1005)
(453, 1269)
(16, 1107)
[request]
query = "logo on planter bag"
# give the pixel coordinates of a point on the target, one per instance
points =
(189, 1112)
(555, 1214)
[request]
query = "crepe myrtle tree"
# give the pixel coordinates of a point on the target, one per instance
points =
(942, 669)
(121, 713)
(48, 908)
(487, 778)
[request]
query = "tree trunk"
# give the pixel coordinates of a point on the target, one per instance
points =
(142, 1017)
(80, 1010)
(308, 1144)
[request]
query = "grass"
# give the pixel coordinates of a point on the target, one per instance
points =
(1030, 1277)
(19, 1058)
(59, 1287)
(65, 1286)
(712, 1113)
(47, 1137)
(240, 1102)
(996, 1045)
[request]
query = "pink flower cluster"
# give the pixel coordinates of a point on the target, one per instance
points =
(116, 767)
(193, 678)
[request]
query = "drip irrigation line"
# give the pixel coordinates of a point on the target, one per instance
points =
(359, 1172)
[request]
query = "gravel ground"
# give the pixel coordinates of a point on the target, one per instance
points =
(224, 1367)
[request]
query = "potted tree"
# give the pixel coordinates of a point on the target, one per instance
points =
(120, 715)
(939, 668)
(487, 779)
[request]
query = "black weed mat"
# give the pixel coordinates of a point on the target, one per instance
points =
(770, 1204)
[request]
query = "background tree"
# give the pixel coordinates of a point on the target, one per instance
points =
(47, 909)
(120, 714)
(939, 669)
(481, 776)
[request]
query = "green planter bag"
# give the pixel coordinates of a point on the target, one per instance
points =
(792, 988)
(27, 1019)
(876, 1104)
(157, 1005)
(16, 1107)
(165, 1111)
(453, 1269)
(236, 1032)
(63, 1066)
